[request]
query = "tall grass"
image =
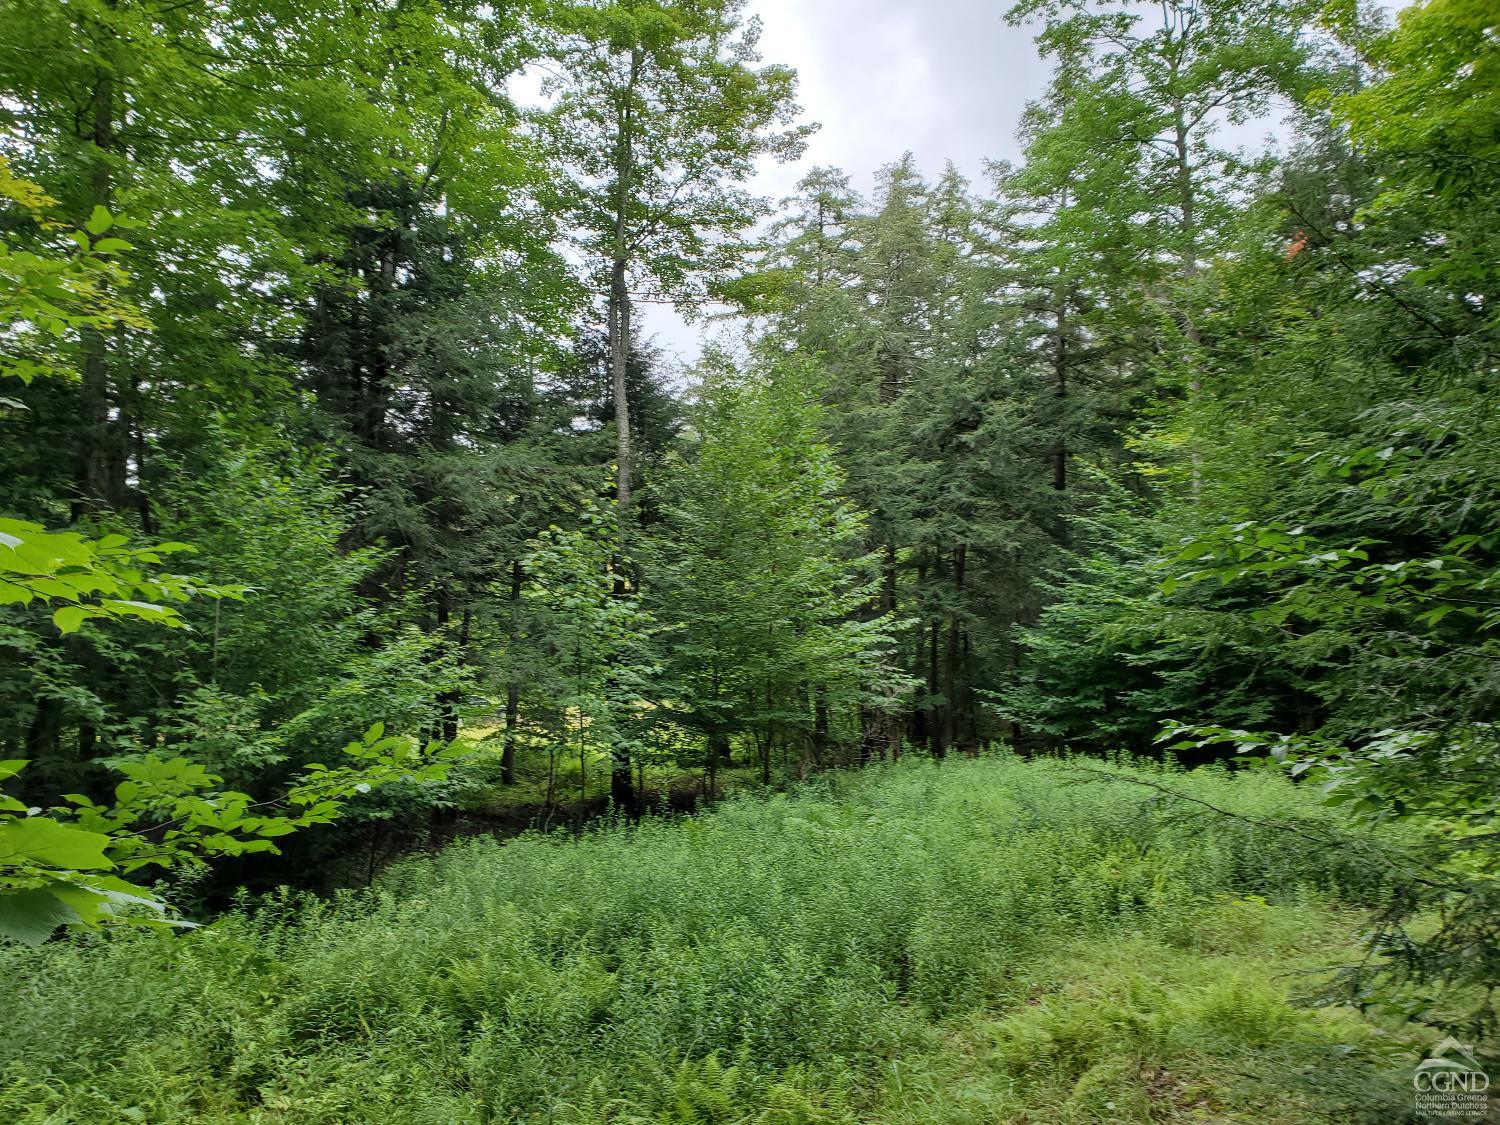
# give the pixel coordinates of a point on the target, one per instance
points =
(769, 961)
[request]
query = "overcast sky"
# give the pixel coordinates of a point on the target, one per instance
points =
(946, 79)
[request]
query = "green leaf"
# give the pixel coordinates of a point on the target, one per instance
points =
(147, 610)
(69, 618)
(30, 916)
(100, 221)
(45, 841)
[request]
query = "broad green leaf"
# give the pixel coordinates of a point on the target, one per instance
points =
(100, 221)
(30, 916)
(70, 617)
(42, 840)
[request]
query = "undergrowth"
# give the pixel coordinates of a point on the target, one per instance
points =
(988, 941)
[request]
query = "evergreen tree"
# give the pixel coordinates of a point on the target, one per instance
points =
(753, 574)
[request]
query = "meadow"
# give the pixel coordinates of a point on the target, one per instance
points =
(977, 941)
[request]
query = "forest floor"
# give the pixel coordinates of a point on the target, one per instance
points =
(991, 941)
(565, 801)
(562, 786)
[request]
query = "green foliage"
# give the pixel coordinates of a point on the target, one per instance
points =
(1326, 569)
(599, 634)
(1154, 432)
(166, 813)
(662, 114)
(943, 425)
(74, 282)
(57, 294)
(93, 578)
(754, 571)
(1431, 122)
(1166, 1025)
(779, 959)
(1420, 778)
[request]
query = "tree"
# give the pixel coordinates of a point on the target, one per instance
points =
(754, 573)
(1326, 602)
(59, 870)
(662, 116)
(193, 407)
(938, 414)
(45, 297)
(1127, 148)
(602, 667)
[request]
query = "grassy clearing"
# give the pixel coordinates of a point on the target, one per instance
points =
(1164, 1026)
(985, 941)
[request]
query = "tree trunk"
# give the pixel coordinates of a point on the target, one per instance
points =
(950, 661)
(935, 722)
(448, 701)
(1187, 206)
(1060, 387)
(619, 358)
(43, 730)
(969, 717)
(884, 728)
(933, 632)
(888, 580)
(137, 438)
(583, 768)
(621, 783)
(513, 688)
(99, 480)
(718, 747)
(819, 743)
(769, 745)
(619, 293)
(919, 713)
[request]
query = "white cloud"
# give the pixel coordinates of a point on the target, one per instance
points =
(947, 79)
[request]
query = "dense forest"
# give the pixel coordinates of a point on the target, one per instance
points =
(1083, 585)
